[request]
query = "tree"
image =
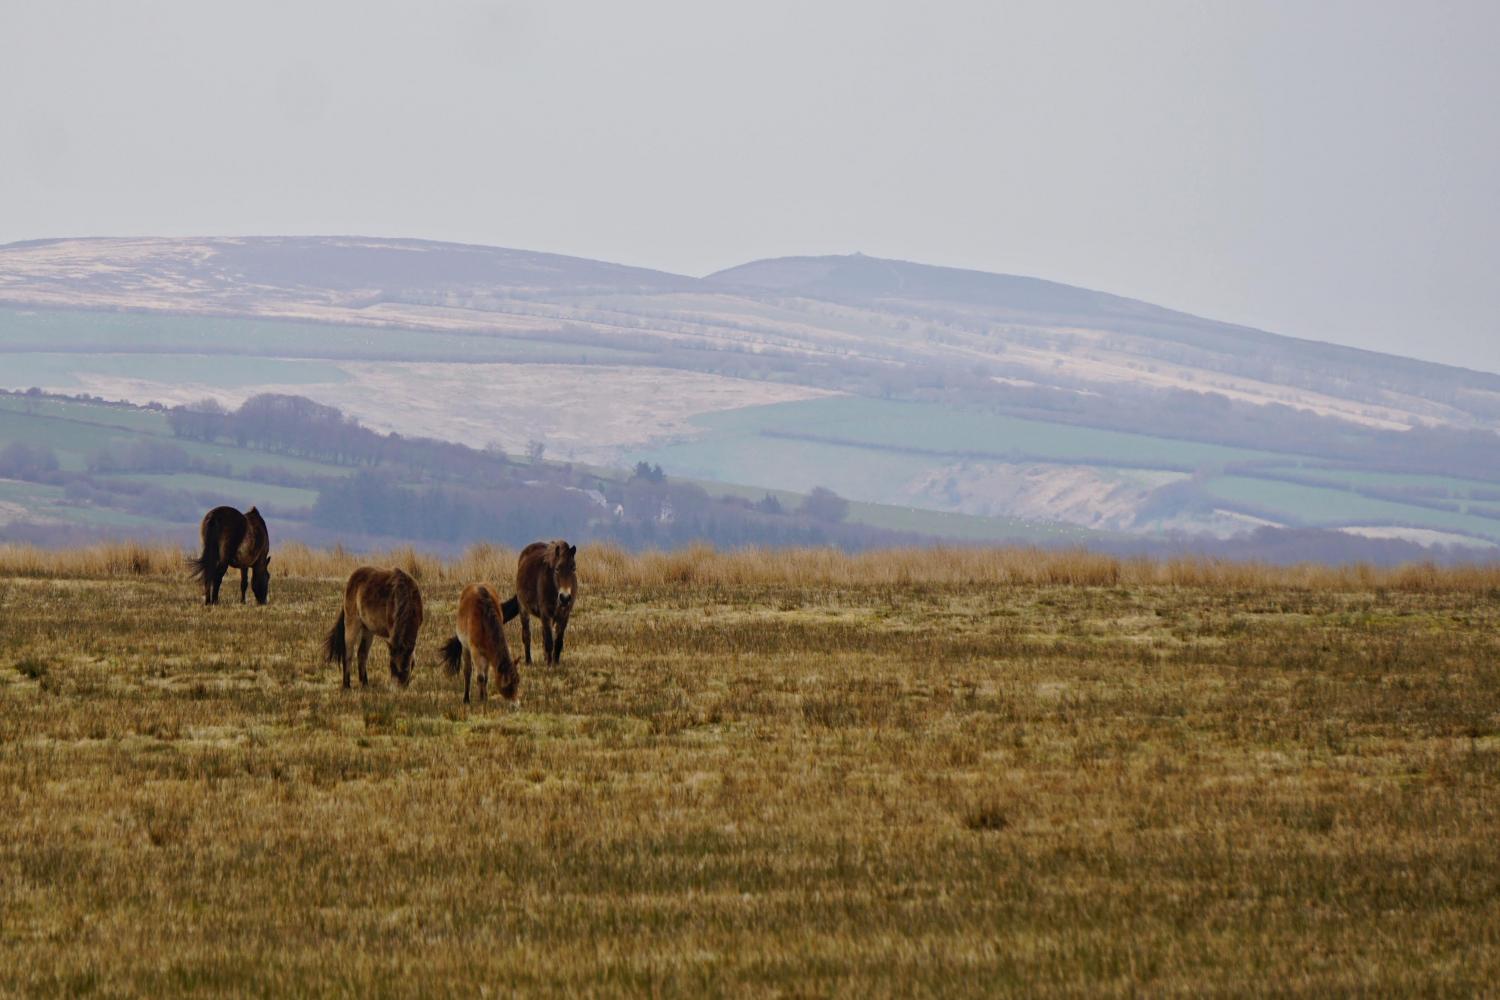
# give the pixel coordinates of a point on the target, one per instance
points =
(19, 460)
(648, 473)
(769, 505)
(822, 504)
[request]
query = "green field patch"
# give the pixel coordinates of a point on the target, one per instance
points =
(964, 527)
(1436, 487)
(74, 437)
(62, 372)
(1321, 506)
(127, 418)
(48, 331)
(948, 430)
(281, 498)
(934, 523)
(875, 450)
(41, 503)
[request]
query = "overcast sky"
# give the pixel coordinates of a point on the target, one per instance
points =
(1320, 168)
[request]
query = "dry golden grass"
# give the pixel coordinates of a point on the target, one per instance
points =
(612, 566)
(806, 773)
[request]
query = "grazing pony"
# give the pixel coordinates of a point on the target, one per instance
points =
(233, 539)
(546, 586)
(481, 636)
(383, 602)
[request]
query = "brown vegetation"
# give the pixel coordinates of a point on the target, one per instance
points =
(613, 566)
(904, 773)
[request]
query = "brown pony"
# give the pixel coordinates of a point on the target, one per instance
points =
(546, 586)
(481, 636)
(383, 602)
(233, 539)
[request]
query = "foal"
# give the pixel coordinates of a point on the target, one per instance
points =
(481, 636)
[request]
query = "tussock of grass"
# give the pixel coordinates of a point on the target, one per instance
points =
(32, 668)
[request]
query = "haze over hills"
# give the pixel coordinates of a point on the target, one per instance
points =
(935, 388)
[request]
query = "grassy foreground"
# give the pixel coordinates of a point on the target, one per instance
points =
(798, 773)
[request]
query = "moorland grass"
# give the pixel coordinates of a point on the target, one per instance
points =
(902, 773)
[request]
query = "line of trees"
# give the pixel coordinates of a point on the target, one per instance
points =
(298, 426)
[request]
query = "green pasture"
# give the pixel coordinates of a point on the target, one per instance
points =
(43, 332)
(236, 491)
(946, 430)
(1319, 506)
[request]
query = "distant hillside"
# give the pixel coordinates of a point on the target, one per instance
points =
(250, 269)
(916, 387)
(857, 278)
(872, 282)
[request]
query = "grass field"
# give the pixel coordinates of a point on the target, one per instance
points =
(878, 450)
(951, 527)
(265, 494)
(842, 421)
(75, 431)
(1316, 505)
(907, 773)
(32, 336)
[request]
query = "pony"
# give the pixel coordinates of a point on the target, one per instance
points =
(546, 586)
(481, 636)
(383, 602)
(233, 539)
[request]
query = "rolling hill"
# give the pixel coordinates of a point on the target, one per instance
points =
(930, 389)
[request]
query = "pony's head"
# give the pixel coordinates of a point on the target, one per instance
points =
(401, 662)
(408, 621)
(510, 679)
(260, 580)
(560, 556)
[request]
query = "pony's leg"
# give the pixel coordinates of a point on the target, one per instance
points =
(218, 579)
(484, 678)
(349, 634)
(557, 643)
(244, 582)
(468, 672)
(526, 633)
(547, 646)
(366, 637)
(354, 632)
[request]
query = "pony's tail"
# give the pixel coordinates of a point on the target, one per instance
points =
(333, 646)
(453, 652)
(204, 564)
(510, 609)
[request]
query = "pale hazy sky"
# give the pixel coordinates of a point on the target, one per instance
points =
(1324, 168)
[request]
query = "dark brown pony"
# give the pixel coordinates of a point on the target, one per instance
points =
(383, 602)
(481, 636)
(546, 586)
(233, 539)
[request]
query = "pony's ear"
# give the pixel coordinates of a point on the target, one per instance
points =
(268, 560)
(572, 550)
